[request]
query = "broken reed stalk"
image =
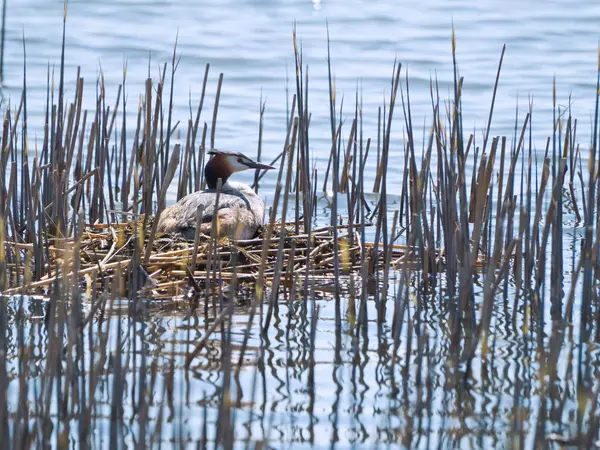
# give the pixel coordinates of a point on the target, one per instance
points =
(170, 172)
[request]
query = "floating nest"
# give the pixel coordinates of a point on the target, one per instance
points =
(116, 257)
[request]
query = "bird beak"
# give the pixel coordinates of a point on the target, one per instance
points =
(260, 166)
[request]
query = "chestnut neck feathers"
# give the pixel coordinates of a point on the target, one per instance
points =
(217, 167)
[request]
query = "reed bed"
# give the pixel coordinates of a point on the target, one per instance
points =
(470, 305)
(179, 268)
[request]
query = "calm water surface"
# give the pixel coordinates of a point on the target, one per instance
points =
(250, 42)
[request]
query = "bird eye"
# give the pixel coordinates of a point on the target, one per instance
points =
(239, 160)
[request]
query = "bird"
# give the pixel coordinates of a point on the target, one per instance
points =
(240, 212)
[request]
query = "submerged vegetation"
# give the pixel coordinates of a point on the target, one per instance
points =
(469, 314)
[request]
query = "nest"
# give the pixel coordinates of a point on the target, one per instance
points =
(116, 257)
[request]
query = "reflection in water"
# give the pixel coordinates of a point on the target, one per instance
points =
(304, 383)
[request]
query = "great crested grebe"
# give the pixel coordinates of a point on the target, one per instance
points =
(240, 212)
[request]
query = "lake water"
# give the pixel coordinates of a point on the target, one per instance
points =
(250, 42)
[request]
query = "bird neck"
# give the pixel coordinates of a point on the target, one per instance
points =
(212, 173)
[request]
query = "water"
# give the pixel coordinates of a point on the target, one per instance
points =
(251, 44)
(362, 405)
(359, 405)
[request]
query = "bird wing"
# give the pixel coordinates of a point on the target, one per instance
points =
(239, 214)
(190, 203)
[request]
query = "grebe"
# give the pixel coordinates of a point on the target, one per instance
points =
(240, 211)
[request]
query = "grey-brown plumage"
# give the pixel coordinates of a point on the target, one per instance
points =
(240, 212)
